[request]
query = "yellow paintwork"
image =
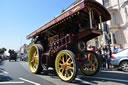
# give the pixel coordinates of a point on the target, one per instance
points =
(33, 59)
(64, 66)
(89, 71)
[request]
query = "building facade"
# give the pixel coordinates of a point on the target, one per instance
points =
(118, 25)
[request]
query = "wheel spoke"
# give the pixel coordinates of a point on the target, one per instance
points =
(34, 66)
(66, 73)
(36, 56)
(68, 60)
(71, 71)
(86, 68)
(62, 60)
(32, 61)
(69, 67)
(66, 57)
(62, 70)
(60, 64)
(127, 69)
(36, 60)
(69, 64)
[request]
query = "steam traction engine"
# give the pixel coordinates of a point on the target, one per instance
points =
(61, 43)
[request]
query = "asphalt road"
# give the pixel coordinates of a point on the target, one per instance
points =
(18, 73)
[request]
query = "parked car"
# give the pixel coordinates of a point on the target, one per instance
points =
(120, 60)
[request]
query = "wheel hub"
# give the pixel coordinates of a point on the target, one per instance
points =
(125, 66)
(64, 66)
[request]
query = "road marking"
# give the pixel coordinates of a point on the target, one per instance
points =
(4, 72)
(110, 79)
(85, 82)
(29, 81)
(15, 82)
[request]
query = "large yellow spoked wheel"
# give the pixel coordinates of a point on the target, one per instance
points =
(34, 58)
(90, 64)
(66, 65)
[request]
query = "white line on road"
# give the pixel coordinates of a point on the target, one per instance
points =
(29, 81)
(85, 82)
(110, 79)
(4, 72)
(15, 82)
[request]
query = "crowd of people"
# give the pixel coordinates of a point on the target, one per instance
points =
(105, 53)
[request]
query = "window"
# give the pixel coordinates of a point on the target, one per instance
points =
(126, 12)
(96, 42)
(115, 38)
(106, 3)
(113, 20)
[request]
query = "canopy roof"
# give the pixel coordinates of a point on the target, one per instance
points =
(75, 8)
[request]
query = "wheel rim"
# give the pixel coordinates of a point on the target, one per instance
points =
(65, 66)
(33, 59)
(125, 66)
(90, 64)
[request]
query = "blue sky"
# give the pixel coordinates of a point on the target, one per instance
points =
(18, 18)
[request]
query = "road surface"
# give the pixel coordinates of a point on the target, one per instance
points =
(18, 73)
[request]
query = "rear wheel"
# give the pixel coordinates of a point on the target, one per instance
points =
(90, 64)
(124, 66)
(34, 58)
(66, 65)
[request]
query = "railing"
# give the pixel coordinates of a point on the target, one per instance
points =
(57, 43)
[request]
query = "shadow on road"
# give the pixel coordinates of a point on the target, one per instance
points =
(1, 70)
(5, 78)
(51, 73)
(1, 62)
(107, 76)
(103, 76)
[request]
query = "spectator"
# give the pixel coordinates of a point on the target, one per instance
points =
(114, 50)
(104, 57)
(120, 48)
(99, 51)
(108, 56)
(91, 48)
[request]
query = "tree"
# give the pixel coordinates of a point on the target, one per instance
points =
(2, 50)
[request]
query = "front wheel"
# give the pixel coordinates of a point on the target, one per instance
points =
(90, 64)
(66, 65)
(34, 58)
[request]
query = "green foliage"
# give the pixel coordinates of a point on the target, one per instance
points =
(2, 50)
